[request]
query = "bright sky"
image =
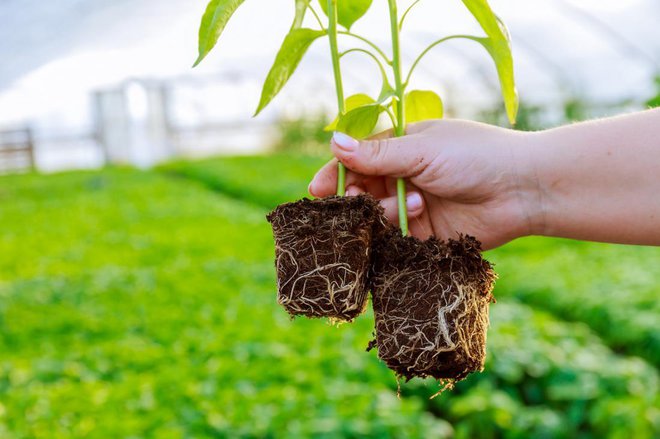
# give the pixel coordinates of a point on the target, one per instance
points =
(55, 53)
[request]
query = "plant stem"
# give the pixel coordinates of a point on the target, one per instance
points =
(391, 116)
(366, 52)
(431, 46)
(369, 43)
(405, 14)
(339, 86)
(316, 15)
(400, 127)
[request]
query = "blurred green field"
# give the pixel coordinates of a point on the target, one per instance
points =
(142, 304)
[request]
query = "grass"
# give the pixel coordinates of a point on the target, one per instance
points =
(248, 178)
(141, 304)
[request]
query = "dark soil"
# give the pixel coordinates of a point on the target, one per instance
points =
(430, 303)
(323, 254)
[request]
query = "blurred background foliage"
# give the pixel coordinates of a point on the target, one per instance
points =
(303, 135)
(655, 100)
(142, 304)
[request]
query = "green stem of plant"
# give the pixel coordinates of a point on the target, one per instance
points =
(370, 43)
(316, 15)
(366, 52)
(391, 116)
(431, 46)
(400, 127)
(339, 86)
(406, 12)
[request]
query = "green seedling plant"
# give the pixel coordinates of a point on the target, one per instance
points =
(358, 114)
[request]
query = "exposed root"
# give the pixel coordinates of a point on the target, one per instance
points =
(430, 302)
(445, 384)
(323, 251)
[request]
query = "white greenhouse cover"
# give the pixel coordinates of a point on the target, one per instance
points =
(53, 54)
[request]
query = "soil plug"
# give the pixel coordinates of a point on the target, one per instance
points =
(430, 301)
(323, 255)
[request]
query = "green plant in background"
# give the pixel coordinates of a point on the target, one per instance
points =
(145, 330)
(359, 114)
(655, 100)
(302, 136)
(529, 117)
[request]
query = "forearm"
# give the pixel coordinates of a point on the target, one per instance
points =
(597, 180)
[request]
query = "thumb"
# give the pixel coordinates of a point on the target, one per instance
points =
(393, 156)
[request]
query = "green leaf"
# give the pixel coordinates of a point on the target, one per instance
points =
(498, 45)
(214, 20)
(301, 8)
(350, 103)
(422, 105)
(348, 11)
(293, 49)
(360, 122)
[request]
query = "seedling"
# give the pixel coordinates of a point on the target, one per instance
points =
(358, 115)
(324, 247)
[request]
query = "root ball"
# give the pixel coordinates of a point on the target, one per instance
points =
(323, 254)
(430, 303)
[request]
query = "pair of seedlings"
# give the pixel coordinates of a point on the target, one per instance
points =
(430, 298)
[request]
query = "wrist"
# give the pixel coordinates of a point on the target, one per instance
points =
(529, 189)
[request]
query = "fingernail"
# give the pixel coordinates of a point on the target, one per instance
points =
(351, 191)
(414, 201)
(345, 142)
(309, 189)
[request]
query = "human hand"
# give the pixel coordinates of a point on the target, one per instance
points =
(462, 178)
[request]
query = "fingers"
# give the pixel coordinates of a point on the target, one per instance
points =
(395, 157)
(420, 227)
(414, 203)
(414, 206)
(376, 186)
(324, 182)
(383, 135)
(411, 128)
(352, 191)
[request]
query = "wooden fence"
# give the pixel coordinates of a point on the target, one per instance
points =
(16, 150)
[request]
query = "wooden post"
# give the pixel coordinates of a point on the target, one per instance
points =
(29, 145)
(16, 148)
